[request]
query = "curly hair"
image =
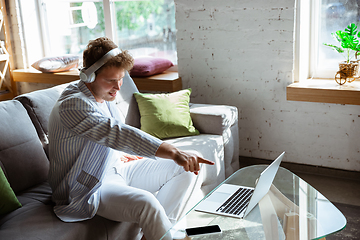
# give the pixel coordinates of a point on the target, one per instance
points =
(99, 47)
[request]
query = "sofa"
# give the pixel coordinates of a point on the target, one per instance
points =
(24, 161)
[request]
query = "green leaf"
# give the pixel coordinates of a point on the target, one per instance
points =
(349, 41)
(351, 29)
(338, 49)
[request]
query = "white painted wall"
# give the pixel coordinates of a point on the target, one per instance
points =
(240, 52)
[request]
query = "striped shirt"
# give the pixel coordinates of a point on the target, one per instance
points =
(81, 137)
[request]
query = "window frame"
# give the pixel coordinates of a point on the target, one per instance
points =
(306, 43)
(302, 40)
(306, 36)
(38, 21)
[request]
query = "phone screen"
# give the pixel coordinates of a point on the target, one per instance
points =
(203, 230)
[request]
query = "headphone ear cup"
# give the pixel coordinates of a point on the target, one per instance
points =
(83, 76)
(91, 78)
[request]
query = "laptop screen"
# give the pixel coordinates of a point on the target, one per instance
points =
(264, 183)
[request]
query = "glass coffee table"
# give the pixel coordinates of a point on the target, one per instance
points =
(292, 209)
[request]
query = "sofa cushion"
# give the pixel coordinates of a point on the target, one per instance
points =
(166, 115)
(22, 157)
(57, 64)
(36, 220)
(8, 202)
(148, 66)
(39, 105)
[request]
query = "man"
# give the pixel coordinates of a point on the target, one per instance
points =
(86, 134)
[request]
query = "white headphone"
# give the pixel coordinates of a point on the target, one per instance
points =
(88, 75)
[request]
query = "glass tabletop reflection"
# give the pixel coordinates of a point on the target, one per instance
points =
(292, 209)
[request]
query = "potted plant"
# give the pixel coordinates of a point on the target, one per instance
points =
(349, 47)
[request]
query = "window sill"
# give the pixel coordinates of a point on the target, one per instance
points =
(324, 91)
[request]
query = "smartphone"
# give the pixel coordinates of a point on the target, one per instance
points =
(203, 230)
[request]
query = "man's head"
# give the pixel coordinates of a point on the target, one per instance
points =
(109, 77)
(97, 48)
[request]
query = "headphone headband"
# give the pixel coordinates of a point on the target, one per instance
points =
(88, 75)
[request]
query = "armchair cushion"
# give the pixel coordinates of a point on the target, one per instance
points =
(213, 119)
(220, 120)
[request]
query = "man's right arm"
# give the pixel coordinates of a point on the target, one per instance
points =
(190, 162)
(82, 119)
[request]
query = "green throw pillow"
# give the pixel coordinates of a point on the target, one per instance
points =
(166, 115)
(8, 202)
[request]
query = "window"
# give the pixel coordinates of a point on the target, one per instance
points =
(53, 28)
(316, 20)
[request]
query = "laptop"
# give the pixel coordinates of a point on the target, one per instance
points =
(237, 201)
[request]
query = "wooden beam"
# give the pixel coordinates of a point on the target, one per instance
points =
(32, 75)
(164, 82)
(7, 33)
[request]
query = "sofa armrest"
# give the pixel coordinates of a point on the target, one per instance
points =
(220, 120)
(213, 119)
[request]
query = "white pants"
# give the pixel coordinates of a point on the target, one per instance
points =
(127, 194)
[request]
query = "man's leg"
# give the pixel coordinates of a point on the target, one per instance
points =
(163, 176)
(122, 203)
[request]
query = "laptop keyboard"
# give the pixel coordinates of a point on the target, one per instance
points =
(237, 202)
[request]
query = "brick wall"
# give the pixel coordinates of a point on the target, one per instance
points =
(241, 53)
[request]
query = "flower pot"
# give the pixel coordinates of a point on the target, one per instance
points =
(348, 72)
(350, 69)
